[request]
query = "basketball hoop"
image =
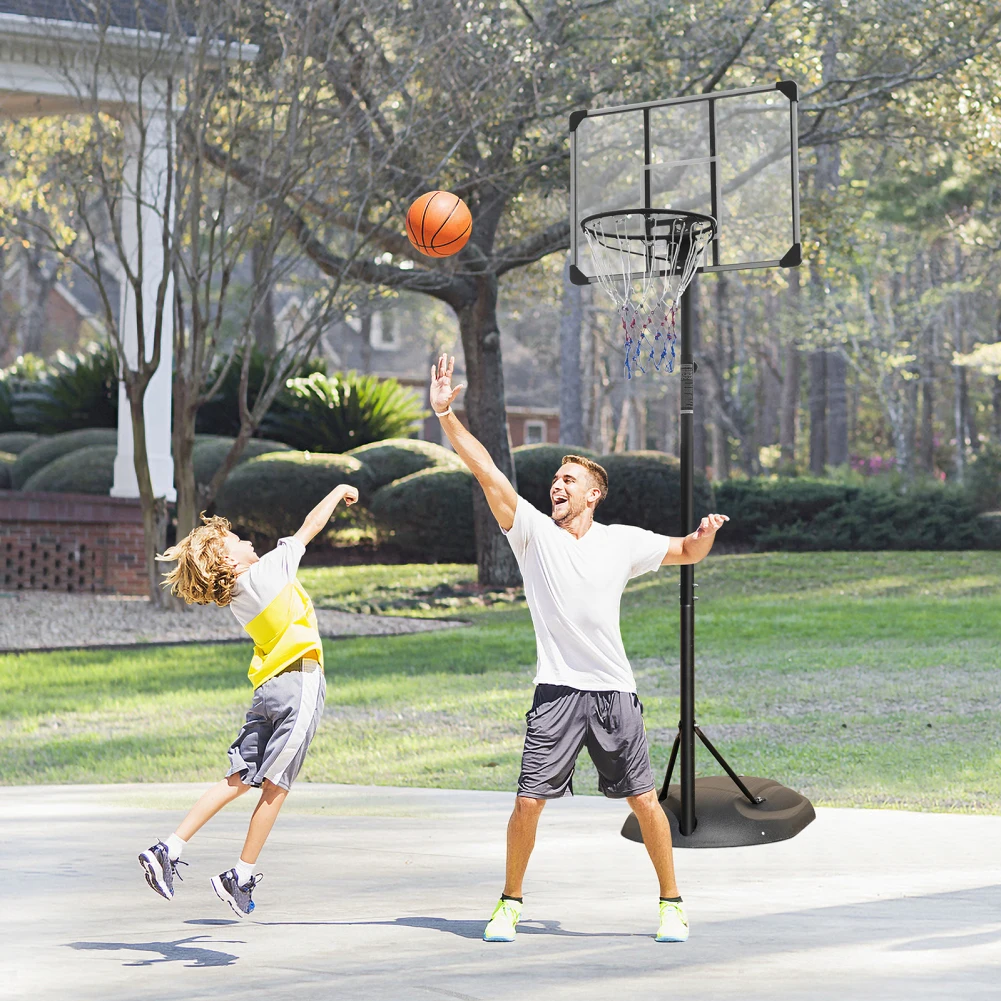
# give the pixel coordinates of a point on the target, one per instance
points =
(644, 259)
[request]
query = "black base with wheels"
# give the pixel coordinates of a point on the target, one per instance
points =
(725, 818)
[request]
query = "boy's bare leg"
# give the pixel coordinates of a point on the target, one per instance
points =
(209, 804)
(265, 815)
(521, 830)
(656, 833)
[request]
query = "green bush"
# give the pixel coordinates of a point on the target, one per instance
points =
(272, 494)
(429, 515)
(536, 465)
(644, 489)
(77, 391)
(334, 413)
(88, 470)
(806, 514)
(17, 441)
(36, 456)
(22, 376)
(7, 459)
(983, 478)
(395, 458)
(210, 450)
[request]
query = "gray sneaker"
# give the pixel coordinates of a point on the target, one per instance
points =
(229, 891)
(160, 869)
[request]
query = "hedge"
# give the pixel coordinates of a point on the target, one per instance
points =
(395, 458)
(806, 514)
(40, 454)
(536, 465)
(272, 494)
(17, 441)
(644, 489)
(7, 460)
(89, 470)
(429, 515)
(210, 450)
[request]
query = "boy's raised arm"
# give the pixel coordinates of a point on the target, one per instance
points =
(317, 519)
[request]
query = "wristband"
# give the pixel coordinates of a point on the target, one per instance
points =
(444, 413)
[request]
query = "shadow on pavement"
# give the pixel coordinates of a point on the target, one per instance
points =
(179, 951)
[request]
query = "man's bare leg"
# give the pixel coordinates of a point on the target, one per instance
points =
(657, 837)
(265, 815)
(521, 830)
(209, 804)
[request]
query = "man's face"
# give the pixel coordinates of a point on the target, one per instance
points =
(569, 492)
(240, 552)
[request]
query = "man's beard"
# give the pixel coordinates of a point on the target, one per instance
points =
(569, 512)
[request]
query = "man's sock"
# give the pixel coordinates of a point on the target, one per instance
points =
(671, 900)
(505, 896)
(244, 871)
(175, 846)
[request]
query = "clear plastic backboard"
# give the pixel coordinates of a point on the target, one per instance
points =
(731, 155)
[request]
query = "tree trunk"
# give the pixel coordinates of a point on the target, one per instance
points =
(486, 412)
(789, 414)
(817, 364)
(265, 333)
(571, 396)
(365, 343)
(837, 409)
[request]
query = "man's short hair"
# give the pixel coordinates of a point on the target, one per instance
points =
(598, 474)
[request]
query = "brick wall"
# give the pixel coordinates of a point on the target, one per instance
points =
(71, 542)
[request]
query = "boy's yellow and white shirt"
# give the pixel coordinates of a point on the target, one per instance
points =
(271, 604)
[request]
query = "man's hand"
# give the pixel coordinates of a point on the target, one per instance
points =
(349, 492)
(442, 393)
(709, 526)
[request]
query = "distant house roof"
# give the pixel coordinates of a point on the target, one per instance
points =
(143, 14)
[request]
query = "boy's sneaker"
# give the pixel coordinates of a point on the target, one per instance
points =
(160, 869)
(673, 922)
(228, 890)
(501, 926)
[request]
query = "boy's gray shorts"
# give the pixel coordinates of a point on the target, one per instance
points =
(281, 722)
(562, 721)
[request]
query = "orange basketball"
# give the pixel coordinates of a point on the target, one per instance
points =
(439, 224)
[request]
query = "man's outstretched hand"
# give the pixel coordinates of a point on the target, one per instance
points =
(442, 393)
(709, 526)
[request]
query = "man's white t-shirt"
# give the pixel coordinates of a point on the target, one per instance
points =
(257, 587)
(573, 588)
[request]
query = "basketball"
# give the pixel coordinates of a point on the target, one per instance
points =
(439, 224)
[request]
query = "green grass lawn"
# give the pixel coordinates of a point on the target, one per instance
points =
(864, 680)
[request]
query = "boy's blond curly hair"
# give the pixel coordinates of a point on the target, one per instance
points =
(203, 574)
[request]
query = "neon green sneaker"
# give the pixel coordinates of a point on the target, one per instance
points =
(673, 922)
(500, 927)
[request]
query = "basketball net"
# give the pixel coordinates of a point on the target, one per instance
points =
(671, 246)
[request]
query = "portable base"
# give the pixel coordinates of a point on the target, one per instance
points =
(725, 819)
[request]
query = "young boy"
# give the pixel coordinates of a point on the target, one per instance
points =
(213, 564)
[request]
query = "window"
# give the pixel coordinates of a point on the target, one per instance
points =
(535, 432)
(385, 332)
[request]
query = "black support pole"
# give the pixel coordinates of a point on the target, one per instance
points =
(687, 820)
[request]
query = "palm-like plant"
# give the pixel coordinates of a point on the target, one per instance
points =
(321, 413)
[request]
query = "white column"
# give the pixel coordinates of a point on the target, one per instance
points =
(147, 182)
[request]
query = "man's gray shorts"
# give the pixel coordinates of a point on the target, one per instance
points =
(562, 721)
(283, 716)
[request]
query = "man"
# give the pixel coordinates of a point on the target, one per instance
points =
(575, 571)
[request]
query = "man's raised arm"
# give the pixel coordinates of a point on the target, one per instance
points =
(500, 494)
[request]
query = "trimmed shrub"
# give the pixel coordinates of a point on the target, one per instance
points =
(88, 470)
(429, 515)
(644, 489)
(536, 465)
(210, 450)
(395, 458)
(805, 515)
(17, 441)
(272, 494)
(7, 459)
(39, 455)
(338, 412)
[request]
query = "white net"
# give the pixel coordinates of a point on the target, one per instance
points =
(644, 261)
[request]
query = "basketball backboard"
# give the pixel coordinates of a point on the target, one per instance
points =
(730, 154)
